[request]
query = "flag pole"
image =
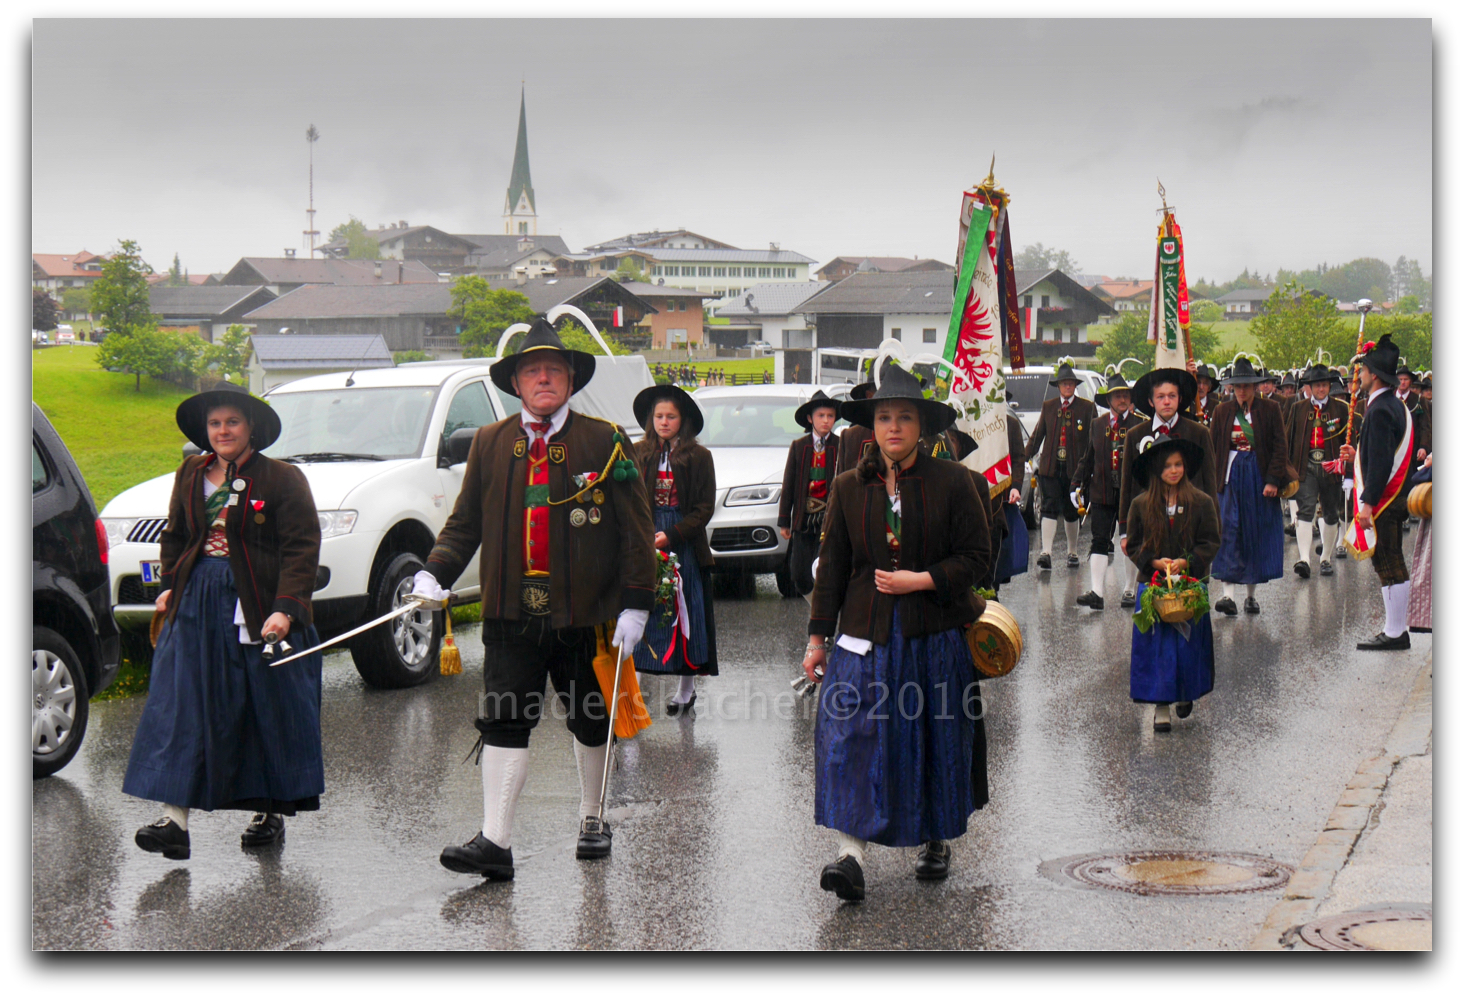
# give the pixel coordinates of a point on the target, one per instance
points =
(1364, 306)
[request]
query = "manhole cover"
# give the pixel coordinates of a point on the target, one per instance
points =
(1163, 873)
(1372, 931)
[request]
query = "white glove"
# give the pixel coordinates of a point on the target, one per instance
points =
(629, 628)
(424, 586)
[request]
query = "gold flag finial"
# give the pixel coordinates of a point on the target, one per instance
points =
(1163, 199)
(990, 180)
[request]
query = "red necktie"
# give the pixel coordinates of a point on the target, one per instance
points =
(536, 520)
(1162, 430)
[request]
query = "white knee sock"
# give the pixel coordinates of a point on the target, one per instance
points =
(1395, 606)
(685, 689)
(1295, 510)
(1130, 575)
(850, 845)
(1049, 531)
(1329, 539)
(504, 772)
(1097, 568)
(1303, 540)
(591, 764)
(1228, 589)
(180, 814)
(1250, 591)
(1072, 536)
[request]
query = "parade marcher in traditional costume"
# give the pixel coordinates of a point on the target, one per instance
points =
(1420, 410)
(1420, 572)
(1006, 520)
(855, 442)
(1315, 431)
(682, 485)
(1425, 388)
(1206, 400)
(1064, 426)
(1385, 453)
(1099, 475)
(564, 526)
(1172, 528)
(1250, 453)
(902, 548)
(222, 729)
(1266, 386)
(806, 477)
(1287, 396)
(1163, 395)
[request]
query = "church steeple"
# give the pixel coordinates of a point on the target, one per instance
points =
(520, 215)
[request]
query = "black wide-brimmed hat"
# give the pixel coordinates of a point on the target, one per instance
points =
(1317, 372)
(804, 413)
(1244, 372)
(1064, 373)
(541, 336)
(1426, 383)
(1116, 382)
(1403, 368)
(645, 404)
(192, 415)
(1150, 461)
(897, 383)
(861, 391)
(1204, 370)
(1289, 381)
(1382, 360)
(1144, 386)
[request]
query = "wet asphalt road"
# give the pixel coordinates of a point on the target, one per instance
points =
(714, 844)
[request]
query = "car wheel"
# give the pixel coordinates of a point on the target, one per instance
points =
(401, 652)
(59, 703)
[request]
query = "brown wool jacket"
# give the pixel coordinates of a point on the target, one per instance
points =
(854, 443)
(596, 570)
(1096, 468)
(1270, 446)
(1184, 428)
(942, 531)
(1081, 414)
(696, 491)
(1299, 432)
(1194, 536)
(792, 504)
(274, 562)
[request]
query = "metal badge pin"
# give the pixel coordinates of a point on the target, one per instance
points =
(238, 484)
(594, 514)
(577, 517)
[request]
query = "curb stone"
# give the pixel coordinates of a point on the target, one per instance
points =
(1356, 810)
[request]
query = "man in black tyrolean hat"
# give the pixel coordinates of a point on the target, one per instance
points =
(565, 543)
(1062, 437)
(811, 465)
(1099, 475)
(1315, 430)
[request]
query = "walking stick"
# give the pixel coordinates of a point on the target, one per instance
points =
(610, 741)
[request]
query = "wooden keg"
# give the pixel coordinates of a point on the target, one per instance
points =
(1420, 501)
(995, 641)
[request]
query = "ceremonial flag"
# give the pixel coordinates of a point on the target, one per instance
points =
(1169, 319)
(983, 314)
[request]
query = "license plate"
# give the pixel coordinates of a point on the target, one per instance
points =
(152, 572)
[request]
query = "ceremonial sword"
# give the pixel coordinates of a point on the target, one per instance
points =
(410, 606)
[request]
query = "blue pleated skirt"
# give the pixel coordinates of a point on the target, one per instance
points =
(222, 730)
(1165, 667)
(1014, 550)
(894, 742)
(1252, 538)
(694, 655)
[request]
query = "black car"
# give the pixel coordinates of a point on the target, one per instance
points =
(76, 648)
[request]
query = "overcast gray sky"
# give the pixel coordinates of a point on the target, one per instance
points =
(1281, 142)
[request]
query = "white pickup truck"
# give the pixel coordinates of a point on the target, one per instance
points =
(384, 452)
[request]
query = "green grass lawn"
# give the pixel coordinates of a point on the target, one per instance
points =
(754, 366)
(119, 437)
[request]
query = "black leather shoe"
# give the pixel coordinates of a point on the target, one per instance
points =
(263, 830)
(1044, 561)
(1382, 642)
(164, 835)
(594, 839)
(1251, 606)
(479, 857)
(1183, 710)
(1126, 601)
(844, 879)
(1091, 599)
(1327, 570)
(679, 709)
(1226, 605)
(1073, 561)
(934, 861)
(1302, 569)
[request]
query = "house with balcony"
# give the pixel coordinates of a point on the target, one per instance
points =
(770, 313)
(1245, 302)
(844, 266)
(285, 274)
(1055, 312)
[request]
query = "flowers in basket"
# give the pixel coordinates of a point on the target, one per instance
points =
(667, 576)
(1175, 599)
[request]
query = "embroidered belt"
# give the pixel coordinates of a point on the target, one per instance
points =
(813, 506)
(216, 544)
(534, 595)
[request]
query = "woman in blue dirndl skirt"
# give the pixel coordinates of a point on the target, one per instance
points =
(900, 748)
(222, 729)
(1171, 525)
(681, 483)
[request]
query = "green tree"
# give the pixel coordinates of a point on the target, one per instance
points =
(1129, 337)
(482, 312)
(359, 244)
(576, 338)
(1294, 325)
(1207, 311)
(409, 356)
(1039, 257)
(176, 277)
(43, 310)
(148, 350)
(628, 271)
(76, 301)
(1407, 305)
(120, 295)
(229, 354)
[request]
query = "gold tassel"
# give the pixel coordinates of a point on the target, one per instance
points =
(451, 659)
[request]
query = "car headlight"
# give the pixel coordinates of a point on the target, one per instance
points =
(336, 523)
(754, 495)
(117, 530)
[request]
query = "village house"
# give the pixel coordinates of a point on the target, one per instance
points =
(1125, 295)
(1054, 308)
(437, 250)
(678, 319)
(1246, 301)
(285, 274)
(770, 313)
(844, 266)
(405, 316)
(206, 311)
(279, 359)
(58, 273)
